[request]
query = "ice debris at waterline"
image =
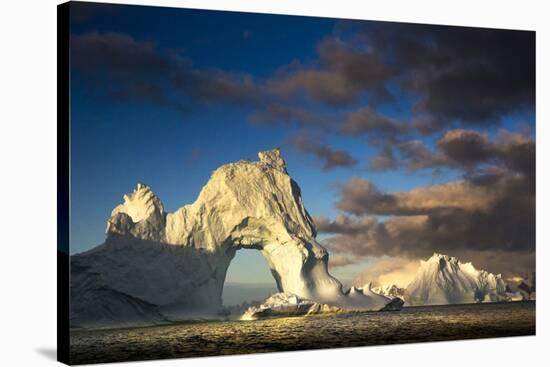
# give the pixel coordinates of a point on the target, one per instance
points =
(156, 266)
(287, 304)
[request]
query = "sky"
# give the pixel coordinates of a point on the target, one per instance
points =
(405, 139)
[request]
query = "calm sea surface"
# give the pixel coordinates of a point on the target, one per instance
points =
(418, 324)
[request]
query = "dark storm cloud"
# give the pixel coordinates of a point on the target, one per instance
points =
(219, 86)
(469, 149)
(490, 211)
(327, 156)
(117, 52)
(385, 160)
(137, 69)
(458, 75)
(343, 74)
(427, 124)
(374, 126)
(459, 149)
(353, 123)
(450, 223)
(277, 112)
(368, 121)
(83, 11)
(416, 156)
(359, 195)
(322, 86)
(344, 224)
(517, 152)
(506, 166)
(360, 66)
(468, 74)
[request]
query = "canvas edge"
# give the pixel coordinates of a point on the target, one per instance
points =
(63, 182)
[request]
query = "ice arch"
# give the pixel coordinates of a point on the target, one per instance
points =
(178, 261)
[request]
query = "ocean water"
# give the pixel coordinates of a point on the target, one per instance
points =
(411, 325)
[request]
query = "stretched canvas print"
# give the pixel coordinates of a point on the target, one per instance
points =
(237, 183)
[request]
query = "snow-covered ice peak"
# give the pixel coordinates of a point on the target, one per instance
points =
(443, 279)
(442, 259)
(273, 159)
(141, 214)
(390, 290)
(140, 204)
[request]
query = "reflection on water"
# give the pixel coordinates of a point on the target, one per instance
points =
(418, 324)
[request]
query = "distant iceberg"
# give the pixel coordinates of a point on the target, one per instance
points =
(445, 280)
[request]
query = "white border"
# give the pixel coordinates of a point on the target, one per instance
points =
(28, 184)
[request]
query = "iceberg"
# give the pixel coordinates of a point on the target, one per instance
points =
(172, 265)
(445, 280)
(391, 291)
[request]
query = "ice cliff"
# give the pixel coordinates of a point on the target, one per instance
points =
(391, 291)
(445, 280)
(172, 265)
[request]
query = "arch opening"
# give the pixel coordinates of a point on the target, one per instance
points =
(248, 278)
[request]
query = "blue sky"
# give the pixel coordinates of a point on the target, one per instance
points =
(172, 136)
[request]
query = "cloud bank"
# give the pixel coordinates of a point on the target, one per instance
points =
(451, 85)
(488, 214)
